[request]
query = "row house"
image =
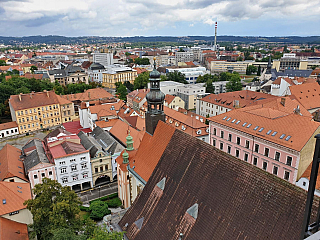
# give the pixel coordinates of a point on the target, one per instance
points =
(8, 129)
(215, 104)
(70, 74)
(173, 102)
(267, 138)
(118, 73)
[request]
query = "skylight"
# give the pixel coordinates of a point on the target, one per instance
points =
(274, 133)
(233, 120)
(261, 129)
(269, 132)
(282, 136)
(238, 122)
(249, 125)
(224, 118)
(229, 119)
(287, 138)
(244, 124)
(256, 128)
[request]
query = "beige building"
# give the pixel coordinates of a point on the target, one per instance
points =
(67, 110)
(225, 66)
(35, 111)
(116, 74)
(173, 102)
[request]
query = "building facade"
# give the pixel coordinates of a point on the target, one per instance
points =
(116, 74)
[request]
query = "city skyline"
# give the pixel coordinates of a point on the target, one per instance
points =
(165, 18)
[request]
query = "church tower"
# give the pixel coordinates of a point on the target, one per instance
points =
(155, 100)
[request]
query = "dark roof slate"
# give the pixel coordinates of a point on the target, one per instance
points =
(36, 156)
(233, 199)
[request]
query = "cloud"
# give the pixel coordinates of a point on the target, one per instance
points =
(138, 17)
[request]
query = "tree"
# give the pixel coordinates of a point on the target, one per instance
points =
(98, 209)
(127, 54)
(259, 71)
(103, 234)
(163, 78)
(141, 81)
(251, 69)
(207, 121)
(66, 234)
(3, 63)
(142, 61)
(32, 68)
(54, 207)
(239, 58)
(206, 77)
(176, 76)
(128, 85)
(15, 72)
(121, 91)
(209, 87)
(234, 83)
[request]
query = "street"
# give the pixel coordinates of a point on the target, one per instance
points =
(104, 190)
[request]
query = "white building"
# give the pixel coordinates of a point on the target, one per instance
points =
(191, 74)
(189, 94)
(183, 57)
(8, 129)
(105, 59)
(95, 72)
(169, 87)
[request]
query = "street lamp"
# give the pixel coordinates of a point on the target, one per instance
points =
(99, 191)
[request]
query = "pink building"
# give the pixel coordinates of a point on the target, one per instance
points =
(278, 141)
(40, 171)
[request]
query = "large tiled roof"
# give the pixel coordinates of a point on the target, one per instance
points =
(205, 193)
(66, 148)
(14, 194)
(245, 97)
(307, 94)
(264, 122)
(10, 163)
(169, 98)
(89, 95)
(33, 100)
(13, 230)
(8, 125)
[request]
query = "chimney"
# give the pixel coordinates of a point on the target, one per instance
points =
(297, 110)
(236, 104)
(47, 93)
(20, 96)
(283, 101)
(89, 95)
(30, 95)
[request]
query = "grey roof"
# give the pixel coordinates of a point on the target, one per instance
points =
(193, 210)
(73, 69)
(87, 144)
(96, 66)
(290, 73)
(36, 156)
(58, 73)
(116, 147)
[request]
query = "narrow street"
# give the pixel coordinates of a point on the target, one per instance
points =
(97, 192)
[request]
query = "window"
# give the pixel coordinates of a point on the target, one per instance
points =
(75, 178)
(74, 168)
(287, 175)
(83, 158)
(221, 134)
(213, 142)
(50, 173)
(101, 169)
(221, 146)
(64, 180)
(72, 160)
(266, 152)
(237, 153)
(256, 127)
(43, 174)
(247, 144)
(261, 129)
(106, 167)
(84, 175)
(238, 140)
(214, 131)
(289, 161)
(273, 134)
(35, 176)
(83, 165)
(269, 132)
(62, 163)
(246, 157)
(230, 137)
(287, 138)
(255, 161)
(275, 170)
(256, 148)
(277, 156)
(249, 125)
(265, 166)
(229, 149)
(96, 170)
(282, 136)
(63, 170)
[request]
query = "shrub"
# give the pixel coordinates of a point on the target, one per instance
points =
(98, 210)
(83, 208)
(114, 203)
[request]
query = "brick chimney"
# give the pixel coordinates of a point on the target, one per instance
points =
(283, 101)
(20, 96)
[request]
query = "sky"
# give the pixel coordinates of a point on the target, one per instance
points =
(159, 17)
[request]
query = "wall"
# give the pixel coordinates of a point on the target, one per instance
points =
(24, 216)
(101, 161)
(39, 172)
(9, 132)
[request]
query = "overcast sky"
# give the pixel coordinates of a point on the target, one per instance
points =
(159, 17)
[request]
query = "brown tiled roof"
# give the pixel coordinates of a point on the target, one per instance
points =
(30, 75)
(245, 97)
(104, 124)
(15, 194)
(8, 125)
(89, 95)
(208, 194)
(33, 100)
(307, 94)
(169, 98)
(266, 119)
(10, 164)
(141, 95)
(13, 230)
(62, 100)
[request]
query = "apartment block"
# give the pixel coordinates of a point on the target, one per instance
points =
(116, 74)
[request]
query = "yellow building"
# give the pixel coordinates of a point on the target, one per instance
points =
(173, 102)
(35, 111)
(225, 66)
(118, 74)
(67, 110)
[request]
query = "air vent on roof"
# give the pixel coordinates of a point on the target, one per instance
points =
(4, 201)
(19, 191)
(269, 132)
(287, 138)
(282, 136)
(274, 133)
(238, 122)
(18, 166)
(256, 127)
(244, 124)
(19, 187)
(261, 129)
(224, 118)
(233, 120)
(249, 125)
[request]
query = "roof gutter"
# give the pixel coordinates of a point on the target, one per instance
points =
(136, 175)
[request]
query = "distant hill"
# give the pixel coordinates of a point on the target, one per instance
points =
(186, 39)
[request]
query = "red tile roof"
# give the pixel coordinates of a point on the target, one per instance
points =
(75, 127)
(169, 98)
(30, 75)
(66, 148)
(15, 194)
(307, 94)
(89, 95)
(8, 125)
(105, 124)
(11, 230)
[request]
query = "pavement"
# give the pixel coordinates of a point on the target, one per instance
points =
(21, 141)
(95, 193)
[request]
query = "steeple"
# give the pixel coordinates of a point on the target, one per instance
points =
(155, 100)
(269, 66)
(125, 157)
(129, 142)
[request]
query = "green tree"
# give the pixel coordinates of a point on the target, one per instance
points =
(234, 83)
(103, 234)
(206, 77)
(239, 58)
(15, 72)
(207, 121)
(128, 85)
(141, 81)
(127, 54)
(181, 50)
(225, 76)
(66, 234)
(121, 91)
(98, 210)
(32, 68)
(259, 71)
(209, 87)
(142, 61)
(176, 76)
(163, 78)
(54, 207)
(3, 63)
(251, 69)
